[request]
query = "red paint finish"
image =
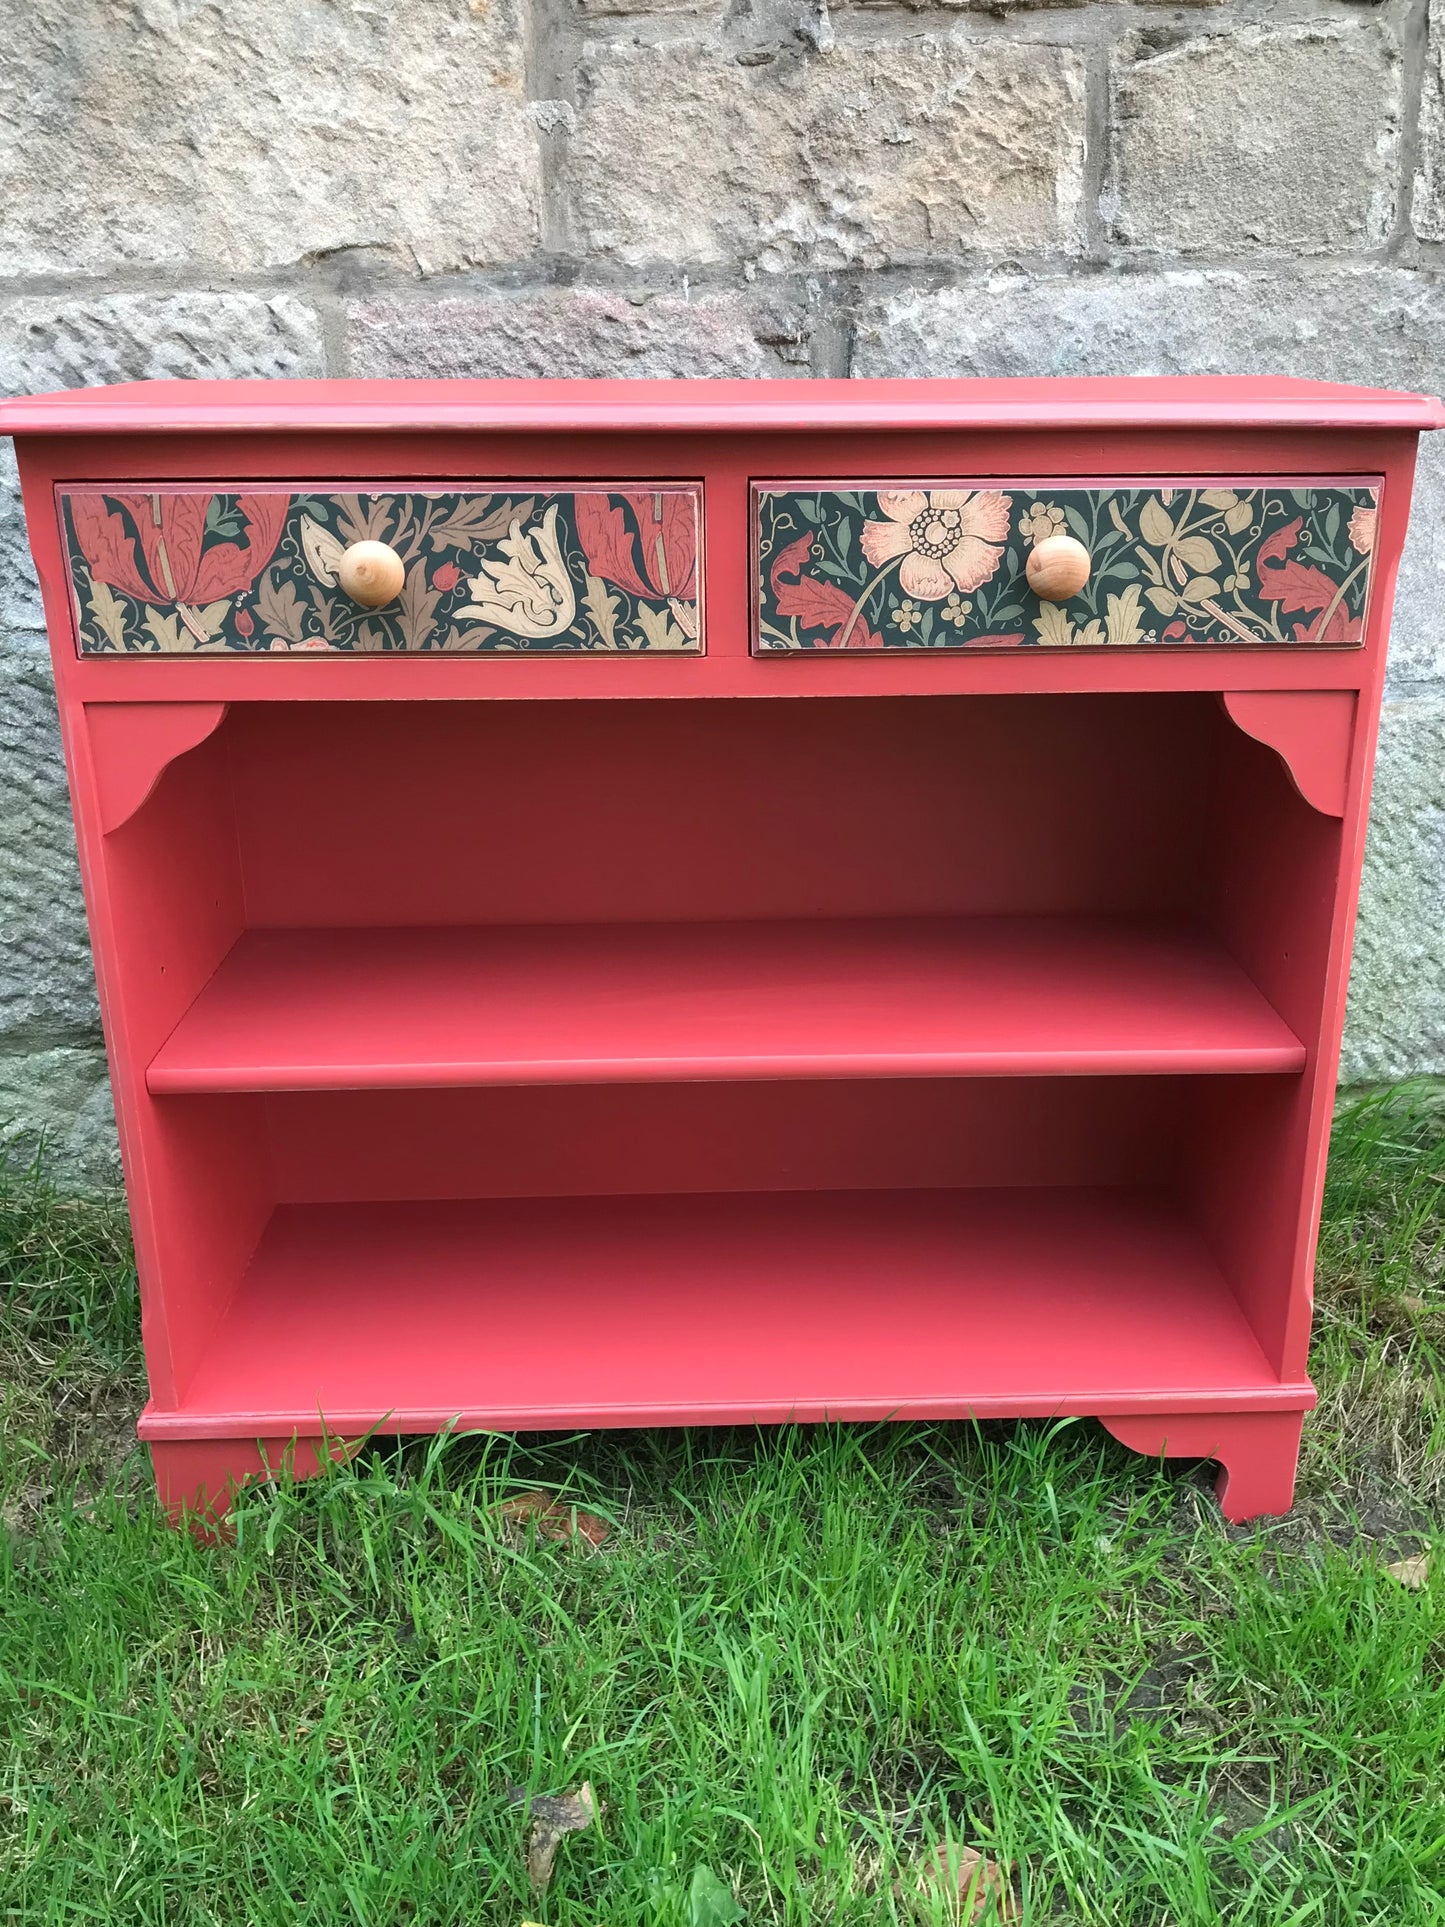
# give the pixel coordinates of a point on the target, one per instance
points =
(653, 1039)
(651, 1310)
(131, 744)
(1312, 729)
(1256, 1452)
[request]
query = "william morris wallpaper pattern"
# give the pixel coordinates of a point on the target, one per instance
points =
(592, 569)
(939, 567)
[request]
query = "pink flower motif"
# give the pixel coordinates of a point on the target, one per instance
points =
(446, 577)
(948, 539)
(1362, 530)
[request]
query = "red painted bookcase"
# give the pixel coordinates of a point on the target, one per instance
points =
(651, 903)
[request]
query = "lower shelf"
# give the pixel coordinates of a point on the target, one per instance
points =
(720, 1308)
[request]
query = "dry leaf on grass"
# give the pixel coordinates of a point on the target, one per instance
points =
(552, 1816)
(553, 1517)
(972, 1887)
(1411, 1573)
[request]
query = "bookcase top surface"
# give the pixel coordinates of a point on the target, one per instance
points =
(1141, 401)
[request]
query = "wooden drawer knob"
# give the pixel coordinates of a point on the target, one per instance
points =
(371, 573)
(1057, 568)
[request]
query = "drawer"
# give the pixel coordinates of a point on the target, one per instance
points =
(943, 565)
(491, 570)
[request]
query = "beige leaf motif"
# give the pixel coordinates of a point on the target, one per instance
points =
(109, 613)
(604, 609)
(166, 633)
(1154, 525)
(322, 550)
(1238, 513)
(279, 610)
(371, 524)
(470, 641)
(1055, 630)
(211, 617)
(1124, 615)
(1198, 552)
(658, 630)
(416, 609)
(1199, 589)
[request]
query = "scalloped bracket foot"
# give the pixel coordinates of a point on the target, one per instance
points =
(1312, 731)
(132, 744)
(1257, 1452)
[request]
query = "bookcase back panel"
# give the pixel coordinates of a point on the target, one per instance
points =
(437, 813)
(581, 1140)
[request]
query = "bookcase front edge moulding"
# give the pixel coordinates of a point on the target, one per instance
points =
(628, 903)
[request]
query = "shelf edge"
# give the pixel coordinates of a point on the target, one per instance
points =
(181, 1080)
(155, 1424)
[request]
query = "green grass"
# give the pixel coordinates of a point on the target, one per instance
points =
(801, 1658)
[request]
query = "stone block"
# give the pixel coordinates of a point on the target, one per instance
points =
(1377, 325)
(576, 332)
(1282, 140)
(1428, 216)
(61, 1099)
(604, 7)
(263, 132)
(58, 342)
(920, 148)
(47, 982)
(1396, 1018)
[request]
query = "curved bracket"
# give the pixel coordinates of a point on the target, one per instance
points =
(1257, 1452)
(131, 745)
(1312, 731)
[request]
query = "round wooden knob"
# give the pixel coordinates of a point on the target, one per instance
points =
(371, 573)
(1058, 568)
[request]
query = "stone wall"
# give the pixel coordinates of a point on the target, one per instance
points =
(716, 187)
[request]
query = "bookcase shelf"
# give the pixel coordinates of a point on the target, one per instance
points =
(296, 1010)
(750, 976)
(756, 1306)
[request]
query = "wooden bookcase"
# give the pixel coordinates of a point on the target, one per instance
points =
(683, 958)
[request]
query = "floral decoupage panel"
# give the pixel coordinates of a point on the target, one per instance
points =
(935, 567)
(487, 572)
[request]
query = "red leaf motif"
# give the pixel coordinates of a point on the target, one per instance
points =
(171, 530)
(608, 543)
(230, 567)
(674, 535)
(1341, 627)
(1293, 585)
(996, 642)
(657, 558)
(107, 548)
(817, 604)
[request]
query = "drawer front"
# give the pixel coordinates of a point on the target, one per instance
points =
(489, 571)
(942, 566)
